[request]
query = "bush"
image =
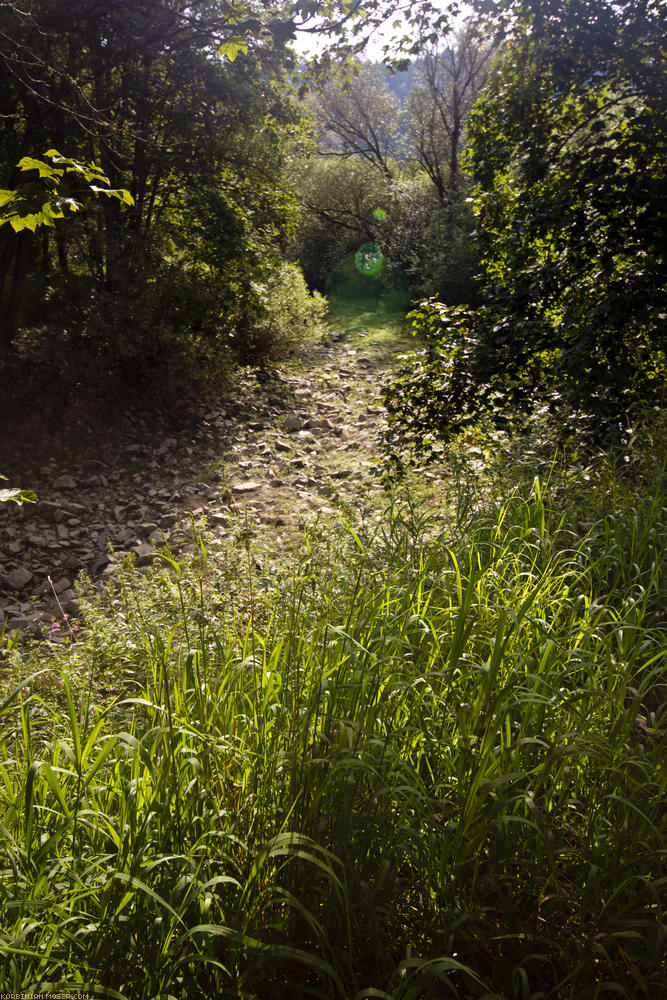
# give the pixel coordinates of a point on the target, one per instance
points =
(159, 336)
(286, 315)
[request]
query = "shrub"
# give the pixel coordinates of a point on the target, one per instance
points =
(286, 315)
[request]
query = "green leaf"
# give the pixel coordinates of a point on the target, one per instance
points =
(70, 203)
(45, 170)
(231, 48)
(7, 495)
(119, 193)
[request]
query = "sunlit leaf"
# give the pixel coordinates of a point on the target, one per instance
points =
(44, 169)
(231, 48)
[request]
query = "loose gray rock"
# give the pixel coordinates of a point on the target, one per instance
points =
(64, 483)
(318, 424)
(240, 489)
(68, 602)
(19, 578)
(22, 624)
(74, 508)
(100, 563)
(166, 446)
(48, 511)
(293, 423)
(145, 554)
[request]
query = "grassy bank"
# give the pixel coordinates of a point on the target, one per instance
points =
(429, 761)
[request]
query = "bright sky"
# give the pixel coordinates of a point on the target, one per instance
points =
(307, 45)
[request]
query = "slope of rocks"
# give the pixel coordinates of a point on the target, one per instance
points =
(281, 448)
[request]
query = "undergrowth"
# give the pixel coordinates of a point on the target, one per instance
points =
(430, 765)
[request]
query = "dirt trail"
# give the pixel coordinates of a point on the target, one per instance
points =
(283, 448)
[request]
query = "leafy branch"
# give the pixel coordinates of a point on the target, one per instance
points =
(45, 199)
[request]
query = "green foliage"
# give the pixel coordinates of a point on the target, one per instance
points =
(433, 393)
(338, 200)
(346, 204)
(232, 47)
(200, 144)
(567, 150)
(571, 210)
(572, 206)
(444, 253)
(286, 315)
(385, 293)
(435, 769)
(374, 179)
(42, 201)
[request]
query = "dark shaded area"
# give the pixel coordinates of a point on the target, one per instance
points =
(387, 293)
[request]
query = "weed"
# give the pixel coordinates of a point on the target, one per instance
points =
(431, 764)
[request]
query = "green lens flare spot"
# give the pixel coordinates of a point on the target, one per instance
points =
(369, 259)
(379, 214)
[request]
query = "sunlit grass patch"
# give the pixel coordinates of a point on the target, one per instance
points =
(434, 768)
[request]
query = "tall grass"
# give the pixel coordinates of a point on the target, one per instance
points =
(442, 775)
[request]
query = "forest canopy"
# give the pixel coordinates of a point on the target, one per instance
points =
(518, 173)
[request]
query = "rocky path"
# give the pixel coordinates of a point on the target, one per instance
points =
(278, 450)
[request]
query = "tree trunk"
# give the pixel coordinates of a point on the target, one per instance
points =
(13, 270)
(61, 247)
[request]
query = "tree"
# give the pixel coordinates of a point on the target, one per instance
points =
(40, 201)
(568, 150)
(200, 144)
(568, 153)
(360, 118)
(452, 75)
(337, 201)
(348, 203)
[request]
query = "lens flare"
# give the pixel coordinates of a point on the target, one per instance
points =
(369, 259)
(379, 214)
